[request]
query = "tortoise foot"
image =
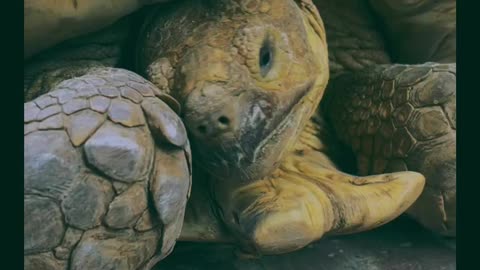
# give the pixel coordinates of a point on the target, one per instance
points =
(99, 150)
(303, 201)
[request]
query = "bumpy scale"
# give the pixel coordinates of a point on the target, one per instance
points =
(248, 115)
(403, 117)
(92, 168)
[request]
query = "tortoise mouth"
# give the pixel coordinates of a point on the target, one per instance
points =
(256, 150)
(284, 123)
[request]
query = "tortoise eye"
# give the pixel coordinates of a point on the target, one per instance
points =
(265, 59)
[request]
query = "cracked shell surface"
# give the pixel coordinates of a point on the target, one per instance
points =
(43, 261)
(43, 226)
(101, 249)
(126, 208)
(71, 238)
(87, 202)
(51, 163)
(125, 113)
(125, 154)
(87, 171)
(82, 125)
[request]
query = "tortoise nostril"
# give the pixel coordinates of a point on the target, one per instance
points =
(213, 127)
(224, 120)
(202, 129)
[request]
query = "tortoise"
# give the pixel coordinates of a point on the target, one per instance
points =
(108, 166)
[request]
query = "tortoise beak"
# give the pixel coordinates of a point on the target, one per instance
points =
(235, 133)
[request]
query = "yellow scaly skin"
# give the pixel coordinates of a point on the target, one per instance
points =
(276, 190)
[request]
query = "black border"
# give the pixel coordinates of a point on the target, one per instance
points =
(468, 186)
(12, 134)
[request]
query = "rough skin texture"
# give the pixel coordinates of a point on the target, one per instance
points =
(107, 165)
(400, 118)
(248, 77)
(353, 36)
(415, 32)
(248, 115)
(74, 58)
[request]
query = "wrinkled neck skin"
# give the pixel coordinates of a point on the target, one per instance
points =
(267, 112)
(250, 76)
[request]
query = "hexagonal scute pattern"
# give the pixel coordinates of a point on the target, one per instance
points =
(416, 106)
(90, 156)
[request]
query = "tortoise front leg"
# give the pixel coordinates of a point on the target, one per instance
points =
(107, 174)
(398, 118)
(307, 197)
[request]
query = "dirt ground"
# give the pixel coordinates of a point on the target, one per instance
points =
(402, 244)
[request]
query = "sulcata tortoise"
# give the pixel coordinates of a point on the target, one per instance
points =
(108, 168)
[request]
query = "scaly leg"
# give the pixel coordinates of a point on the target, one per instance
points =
(398, 118)
(107, 174)
(307, 197)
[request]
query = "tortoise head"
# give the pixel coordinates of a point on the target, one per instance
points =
(248, 75)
